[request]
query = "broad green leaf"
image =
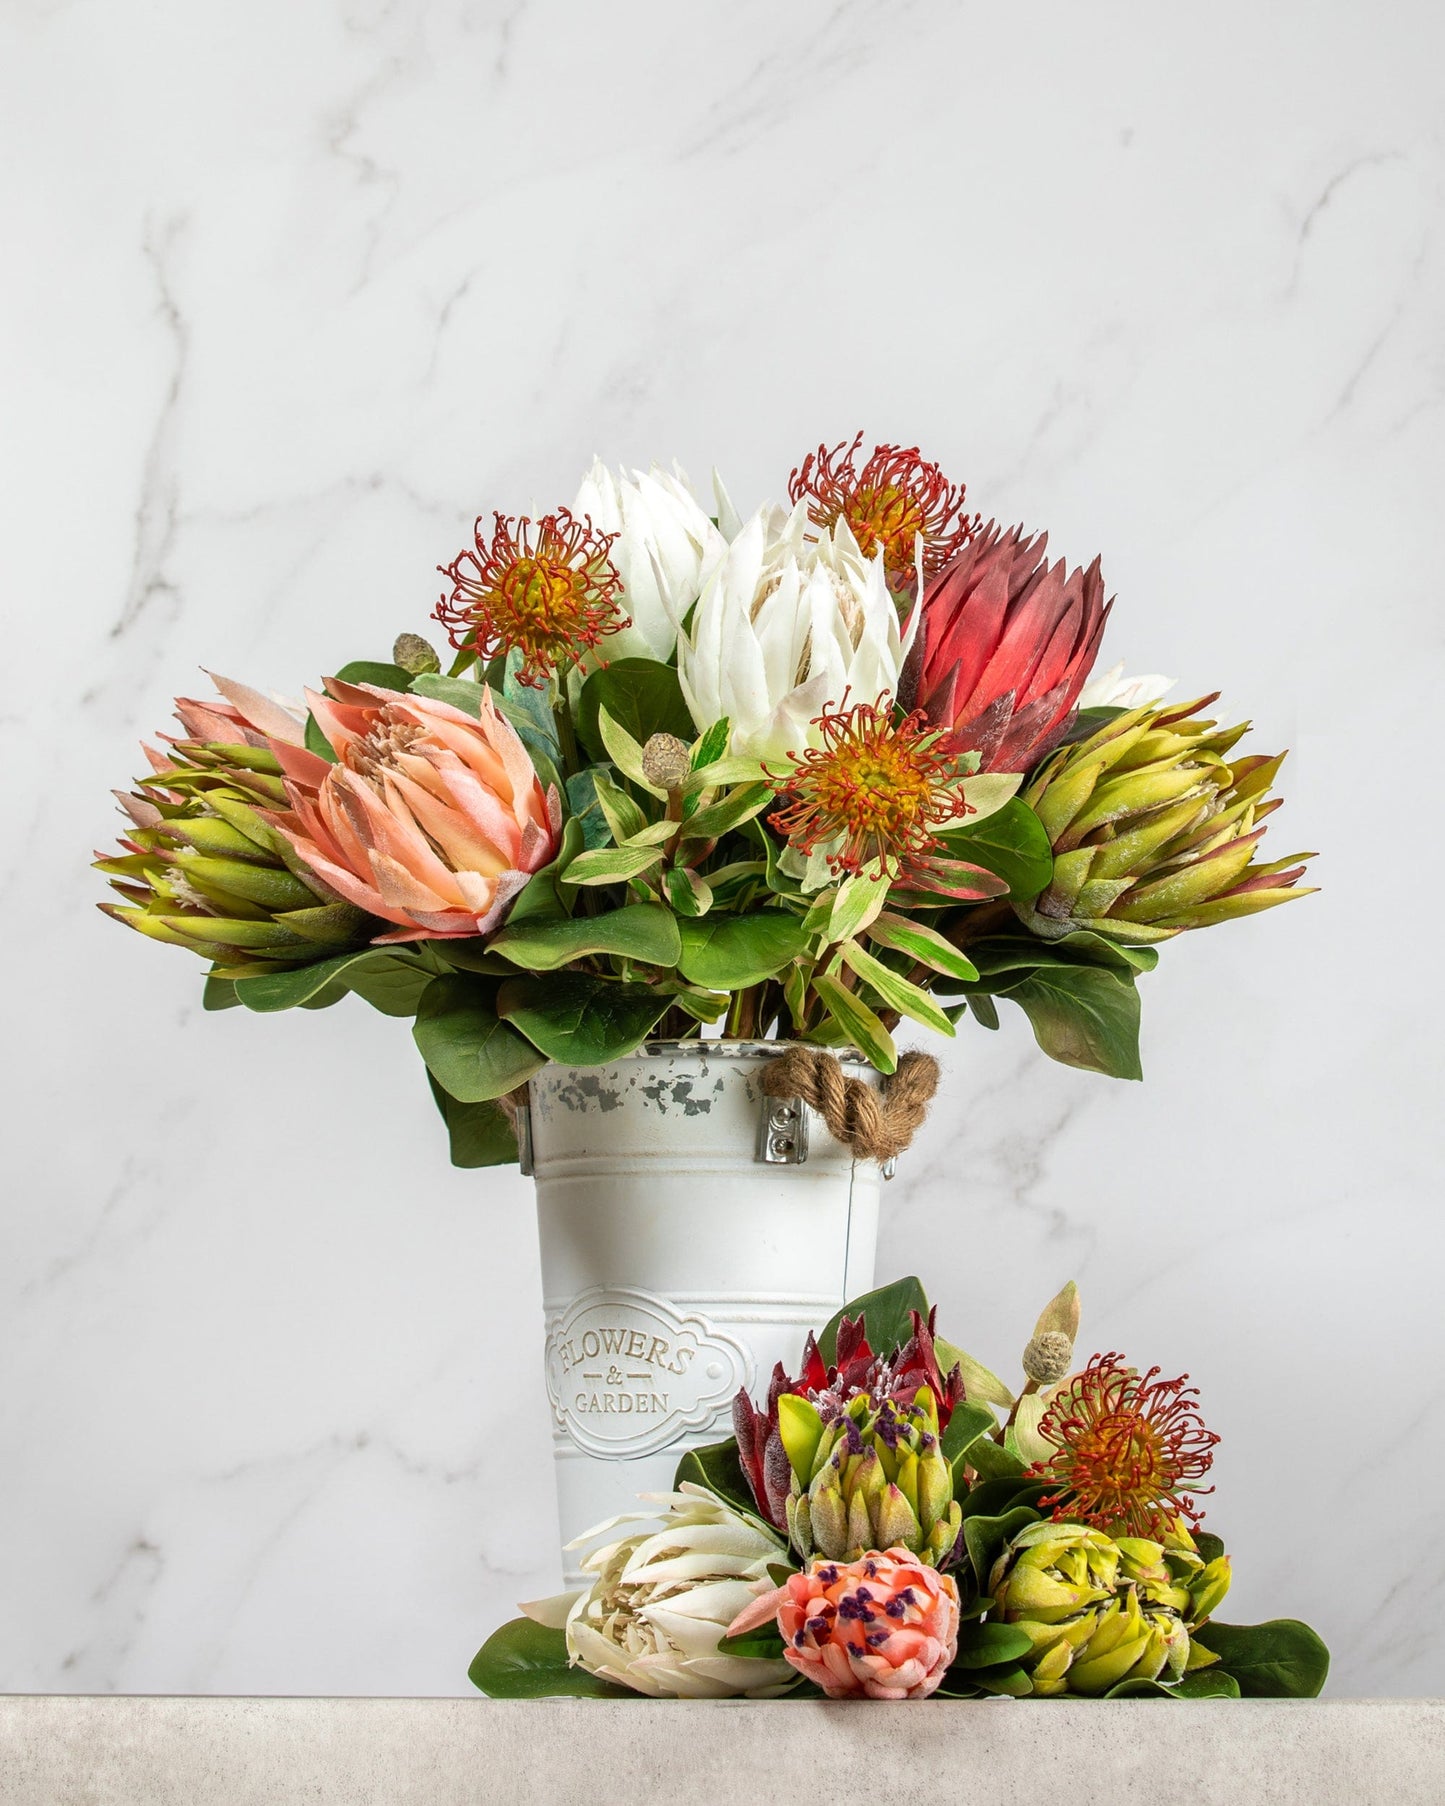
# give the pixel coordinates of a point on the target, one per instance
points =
(885, 1313)
(986, 792)
(968, 1423)
(984, 1009)
(642, 696)
(585, 808)
(611, 865)
(857, 1022)
(1282, 1659)
(688, 894)
(1011, 843)
(895, 990)
(460, 692)
(993, 1462)
(716, 1467)
(382, 675)
(393, 986)
(578, 1020)
(986, 1645)
(469, 1050)
(729, 811)
(992, 1498)
(645, 932)
(1011, 1681)
(920, 942)
(479, 1134)
(729, 953)
(524, 1660)
(269, 991)
(623, 816)
(1085, 1016)
(1204, 1683)
(219, 994)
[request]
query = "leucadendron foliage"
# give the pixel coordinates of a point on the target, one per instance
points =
(810, 775)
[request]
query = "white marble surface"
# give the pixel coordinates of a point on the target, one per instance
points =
(292, 290)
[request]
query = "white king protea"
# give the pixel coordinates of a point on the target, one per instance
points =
(665, 551)
(663, 1599)
(787, 626)
(1113, 690)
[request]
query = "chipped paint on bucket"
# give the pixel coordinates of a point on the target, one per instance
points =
(677, 1266)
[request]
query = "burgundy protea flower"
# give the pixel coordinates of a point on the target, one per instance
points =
(893, 498)
(856, 1369)
(1131, 1450)
(545, 587)
(1006, 643)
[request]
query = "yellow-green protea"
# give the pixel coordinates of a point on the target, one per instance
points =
(201, 868)
(1155, 829)
(873, 1477)
(1102, 1610)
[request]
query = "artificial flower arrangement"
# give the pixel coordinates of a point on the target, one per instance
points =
(897, 1523)
(796, 777)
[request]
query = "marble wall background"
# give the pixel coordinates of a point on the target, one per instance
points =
(292, 290)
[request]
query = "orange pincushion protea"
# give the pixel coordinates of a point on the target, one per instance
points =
(893, 498)
(875, 787)
(1128, 1448)
(546, 588)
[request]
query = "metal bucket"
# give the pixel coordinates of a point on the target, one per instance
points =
(693, 1230)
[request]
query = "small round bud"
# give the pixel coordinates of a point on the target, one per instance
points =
(665, 762)
(414, 654)
(1047, 1357)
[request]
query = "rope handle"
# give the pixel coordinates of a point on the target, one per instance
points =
(875, 1125)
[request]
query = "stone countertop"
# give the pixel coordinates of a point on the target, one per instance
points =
(76, 1750)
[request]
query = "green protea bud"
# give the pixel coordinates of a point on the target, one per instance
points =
(1155, 829)
(1100, 1610)
(874, 1477)
(201, 867)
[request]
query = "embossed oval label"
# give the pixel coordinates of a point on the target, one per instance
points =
(628, 1372)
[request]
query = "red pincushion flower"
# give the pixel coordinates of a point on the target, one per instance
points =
(856, 1369)
(1006, 643)
(545, 587)
(893, 498)
(876, 787)
(1128, 1448)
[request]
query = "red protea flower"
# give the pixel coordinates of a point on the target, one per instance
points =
(874, 791)
(545, 587)
(1006, 643)
(856, 1369)
(1131, 1450)
(896, 496)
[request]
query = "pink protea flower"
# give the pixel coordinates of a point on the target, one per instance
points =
(885, 1626)
(429, 818)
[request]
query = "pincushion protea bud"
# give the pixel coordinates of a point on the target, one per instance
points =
(1006, 643)
(202, 867)
(1100, 1610)
(1155, 829)
(884, 1626)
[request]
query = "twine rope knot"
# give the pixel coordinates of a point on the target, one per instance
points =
(875, 1125)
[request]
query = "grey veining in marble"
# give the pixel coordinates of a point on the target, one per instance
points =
(295, 289)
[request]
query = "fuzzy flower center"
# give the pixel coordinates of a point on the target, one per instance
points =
(381, 747)
(888, 502)
(873, 792)
(1130, 1449)
(544, 588)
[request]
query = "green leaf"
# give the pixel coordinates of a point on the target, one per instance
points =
(711, 746)
(1012, 843)
(688, 894)
(393, 986)
(1210, 1546)
(991, 1498)
(316, 741)
(641, 695)
(985, 1538)
(895, 990)
(1084, 1016)
(582, 800)
(717, 1468)
(968, 1423)
(984, 1008)
(470, 1052)
(984, 1645)
(373, 671)
(271, 991)
(524, 1660)
(460, 692)
(645, 932)
(578, 1020)
(993, 1461)
(801, 1430)
(611, 865)
(857, 1022)
(885, 1314)
(857, 902)
(624, 818)
(219, 994)
(766, 1642)
(479, 1134)
(729, 811)
(541, 897)
(1282, 1659)
(729, 953)
(1204, 1683)
(922, 943)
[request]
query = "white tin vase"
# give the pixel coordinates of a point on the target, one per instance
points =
(693, 1230)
